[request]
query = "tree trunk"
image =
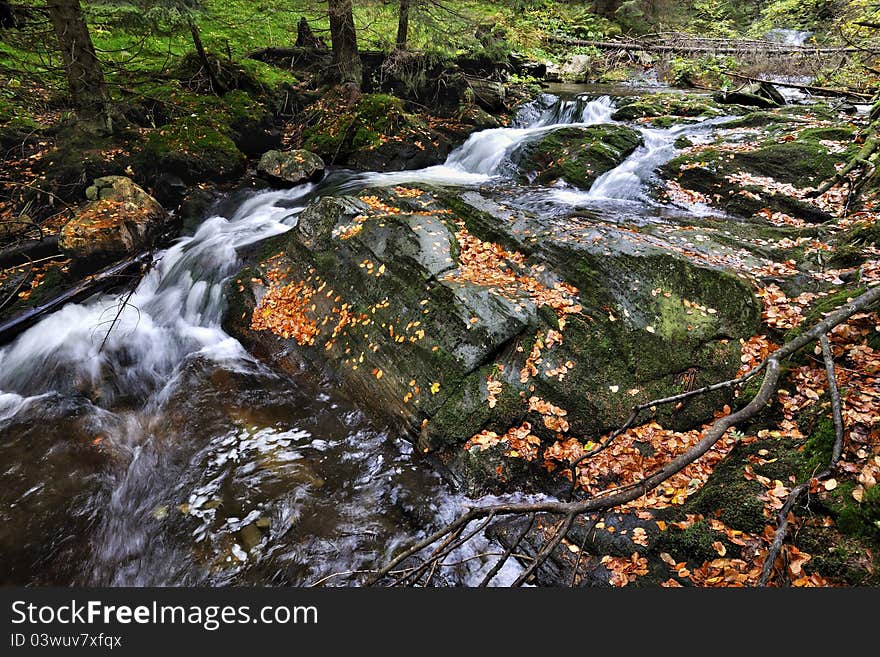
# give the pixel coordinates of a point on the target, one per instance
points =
(403, 24)
(85, 77)
(7, 15)
(216, 84)
(346, 59)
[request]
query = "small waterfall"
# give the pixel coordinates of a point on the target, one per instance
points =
(137, 378)
(626, 182)
(484, 154)
(175, 310)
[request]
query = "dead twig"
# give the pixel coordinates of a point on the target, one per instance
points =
(772, 367)
(803, 487)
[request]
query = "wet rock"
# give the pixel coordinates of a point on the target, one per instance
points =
(522, 65)
(415, 300)
(477, 117)
(291, 167)
(760, 94)
(666, 105)
(120, 219)
(576, 155)
(488, 94)
(746, 172)
(577, 68)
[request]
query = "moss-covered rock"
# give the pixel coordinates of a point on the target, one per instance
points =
(120, 219)
(576, 155)
(432, 310)
(375, 132)
(194, 148)
(290, 167)
(795, 159)
(666, 105)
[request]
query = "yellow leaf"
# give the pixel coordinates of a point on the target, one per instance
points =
(435, 388)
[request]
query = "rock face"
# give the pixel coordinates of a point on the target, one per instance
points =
(489, 94)
(120, 219)
(577, 68)
(450, 315)
(291, 167)
(576, 155)
(765, 164)
(762, 94)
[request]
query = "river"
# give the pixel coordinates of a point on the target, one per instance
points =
(161, 453)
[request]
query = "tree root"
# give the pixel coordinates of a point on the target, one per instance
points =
(803, 487)
(608, 499)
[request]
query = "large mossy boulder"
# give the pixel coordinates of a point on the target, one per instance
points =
(376, 132)
(120, 219)
(768, 162)
(290, 167)
(577, 155)
(666, 105)
(449, 315)
(195, 149)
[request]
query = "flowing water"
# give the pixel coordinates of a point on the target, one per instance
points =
(161, 453)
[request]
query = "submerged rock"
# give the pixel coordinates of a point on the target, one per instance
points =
(451, 316)
(291, 167)
(120, 219)
(52, 487)
(576, 155)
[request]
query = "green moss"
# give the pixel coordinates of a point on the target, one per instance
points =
(272, 77)
(801, 163)
(193, 148)
(693, 544)
(757, 120)
(860, 235)
(337, 134)
(817, 449)
(856, 518)
(577, 155)
(453, 427)
(840, 558)
(665, 106)
(830, 133)
(730, 497)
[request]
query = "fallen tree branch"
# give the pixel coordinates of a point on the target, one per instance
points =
(861, 159)
(639, 408)
(541, 557)
(803, 487)
(96, 283)
(498, 565)
(616, 497)
(724, 47)
(822, 91)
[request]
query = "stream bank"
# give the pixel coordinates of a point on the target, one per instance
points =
(275, 474)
